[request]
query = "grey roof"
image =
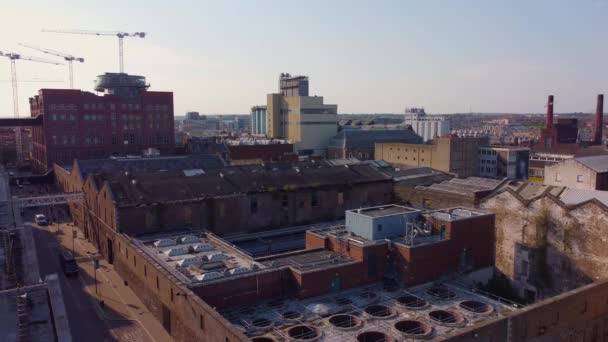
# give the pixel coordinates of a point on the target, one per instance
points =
(149, 164)
(367, 138)
(466, 186)
(596, 163)
(577, 196)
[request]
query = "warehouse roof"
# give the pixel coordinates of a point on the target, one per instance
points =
(132, 188)
(595, 163)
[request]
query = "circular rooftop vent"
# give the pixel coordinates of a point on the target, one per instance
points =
(345, 322)
(303, 333)
(477, 307)
(414, 329)
(380, 311)
(412, 302)
(262, 339)
(447, 318)
(372, 336)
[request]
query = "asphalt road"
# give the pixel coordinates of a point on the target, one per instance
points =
(85, 324)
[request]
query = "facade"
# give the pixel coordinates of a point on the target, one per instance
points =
(271, 152)
(588, 173)
(303, 120)
(127, 119)
(428, 127)
(549, 239)
(361, 144)
(454, 155)
(384, 222)
(504, 162)
(293, 85)
(258, 120)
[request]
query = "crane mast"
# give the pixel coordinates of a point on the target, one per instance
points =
(69, 58)
(13, 57)
(119, 34)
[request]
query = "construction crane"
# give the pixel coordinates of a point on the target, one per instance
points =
(13, 57)
(67, 57)
(118, 34)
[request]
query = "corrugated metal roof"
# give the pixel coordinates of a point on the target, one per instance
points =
(596, 163)
(367, 138)
(577, 196)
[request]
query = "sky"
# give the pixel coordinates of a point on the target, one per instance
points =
(222, 57)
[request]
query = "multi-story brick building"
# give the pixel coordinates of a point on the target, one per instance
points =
(126, 119)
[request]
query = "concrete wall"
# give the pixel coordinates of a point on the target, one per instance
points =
(572, 174)
(548, 248)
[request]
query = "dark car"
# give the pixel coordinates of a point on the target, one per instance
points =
(68, 263)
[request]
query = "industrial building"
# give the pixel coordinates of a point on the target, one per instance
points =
(126, 119)
(428, 127)
(305, 121)
(452, 154)
(361, 143)
(504, 162)
(588, 173)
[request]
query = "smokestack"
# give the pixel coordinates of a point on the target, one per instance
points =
(599, 119)
(549, 123)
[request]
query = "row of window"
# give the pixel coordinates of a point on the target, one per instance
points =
(102, 117)
(101, 106)
(314, 202)
(128, 139)
(579, 178)
(488, 152)
(483, 161)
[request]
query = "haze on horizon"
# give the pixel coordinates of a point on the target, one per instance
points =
(366, 56)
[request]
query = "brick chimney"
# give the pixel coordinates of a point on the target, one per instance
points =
(599, 119)
(549, 123)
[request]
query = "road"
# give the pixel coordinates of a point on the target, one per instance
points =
(85, 324)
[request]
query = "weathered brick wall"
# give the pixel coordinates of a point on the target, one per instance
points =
(564, 247)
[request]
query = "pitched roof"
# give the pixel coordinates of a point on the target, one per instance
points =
(595, 163)
(149, 164)
(577, 196)
(172, 186)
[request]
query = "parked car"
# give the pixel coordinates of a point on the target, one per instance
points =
(68, 263)
(40, 219)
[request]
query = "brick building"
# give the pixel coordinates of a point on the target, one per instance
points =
(126, 119)
(589, 173)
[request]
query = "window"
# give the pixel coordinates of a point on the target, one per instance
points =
(171, 294)
(253, 204)
(314, 199)
(201, 322)
(285, 201)
(157, 283)
(134, 261)
(340, 198)
(579, 178)
(145, 271)
(524, 268)
(379, 227)
(558, 177)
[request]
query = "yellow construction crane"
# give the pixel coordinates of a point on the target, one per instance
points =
(13, 57)
(118, 34)
(67, 57)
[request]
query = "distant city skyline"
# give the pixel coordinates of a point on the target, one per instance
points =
(364, 56)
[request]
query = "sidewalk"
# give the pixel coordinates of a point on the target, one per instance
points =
(120, 304)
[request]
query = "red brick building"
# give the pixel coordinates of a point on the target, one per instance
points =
(126, 119)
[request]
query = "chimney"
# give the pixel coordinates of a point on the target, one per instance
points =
(549, 124)
(599, 119)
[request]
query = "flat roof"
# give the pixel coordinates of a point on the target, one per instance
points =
(197, 257)
(370, 308)
(309, 260)
(385, 210)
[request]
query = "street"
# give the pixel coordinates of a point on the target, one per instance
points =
(122, 316)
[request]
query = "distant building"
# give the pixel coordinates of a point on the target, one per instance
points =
(589, 173)
(361, 144)
(293, 85)
(304, 120)
(458, 156)
(427, 126)
(77, 124)
(504, 162)
(258, 120)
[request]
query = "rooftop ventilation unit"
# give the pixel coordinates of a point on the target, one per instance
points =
(176, 251)
(209, 276)
(164, 243)
(190, 261)
(217, 257)
(239, 270)
(189, 239)
(203, 247)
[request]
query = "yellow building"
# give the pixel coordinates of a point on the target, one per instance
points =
(458, 156)
(304, 120)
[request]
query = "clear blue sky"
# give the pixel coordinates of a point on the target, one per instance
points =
(365, 56)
